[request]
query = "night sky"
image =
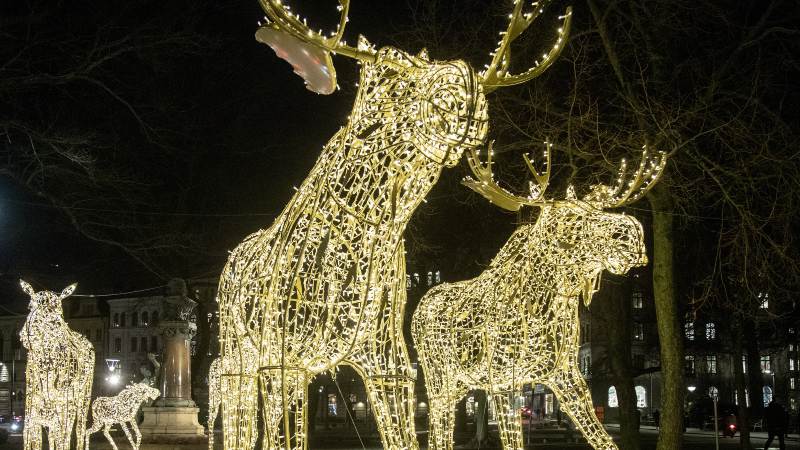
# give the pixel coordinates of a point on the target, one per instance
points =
(143, 140)
(222, 131)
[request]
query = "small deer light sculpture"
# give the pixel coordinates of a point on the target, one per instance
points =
(122, 408)
(324, 285)
(58, 375)
(517, 322)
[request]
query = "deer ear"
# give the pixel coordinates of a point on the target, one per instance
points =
(68, 290)
(27, 288)
(571, 193)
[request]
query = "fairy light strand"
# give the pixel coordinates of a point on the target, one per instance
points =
(121, 409)
(516, 322)
(58, 373)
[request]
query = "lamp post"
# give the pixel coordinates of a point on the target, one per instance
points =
(714, 398)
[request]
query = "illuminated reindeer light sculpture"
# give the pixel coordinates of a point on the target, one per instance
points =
(517, 322)
(324, 285)
(58, 375)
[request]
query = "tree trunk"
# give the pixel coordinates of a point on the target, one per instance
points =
(740, 384)
(755, 380)
(669, 335)
(613, 306)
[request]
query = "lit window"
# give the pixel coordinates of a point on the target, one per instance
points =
(688, 330)
(792, 383)
(744, 363)
(736, 397)
(766, 366)
(711, 331)
(438, 277)
(638, 331)
(793, 404)
(689, 364)
(764, 297)
(711, 363)
(333, 409)
(3, 373)
(416, 279)
(767, 395)
(612, 397)
(430, 278)
(792, 363)
(641, 397)
(408, 281)
(637, 299)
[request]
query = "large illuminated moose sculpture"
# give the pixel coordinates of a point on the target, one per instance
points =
(324, 285)
(517, 322)
(58, 374)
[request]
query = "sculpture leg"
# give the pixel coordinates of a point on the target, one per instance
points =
(576, 402)
(93, 429)
(128, 435)
(392, 400)
(136, 432)
(31, 436)
(441, 411)
(238, 396)
(284, 393)
(509, 420)
(106, 433)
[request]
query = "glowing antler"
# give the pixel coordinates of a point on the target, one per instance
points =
(628, 190)
(484, 182)
(496, 74)
(283, 19)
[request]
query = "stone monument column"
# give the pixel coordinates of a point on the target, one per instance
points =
(173, 416)
(176, 373)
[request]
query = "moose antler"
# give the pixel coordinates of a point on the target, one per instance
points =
(626, 191)
(496, 73)
(284, 20)
(484, 182)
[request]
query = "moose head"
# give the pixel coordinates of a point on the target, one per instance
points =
(580, 233)
(46, 301)
(439, 106)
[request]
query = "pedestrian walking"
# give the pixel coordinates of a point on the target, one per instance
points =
(777, 420)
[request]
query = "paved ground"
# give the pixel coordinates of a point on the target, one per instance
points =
(693, 440)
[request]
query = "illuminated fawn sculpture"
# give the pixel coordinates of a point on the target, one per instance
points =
(121, 409)
(58, 374)
(517, 322)
(324, 285)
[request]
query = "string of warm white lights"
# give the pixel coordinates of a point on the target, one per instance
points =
(58, 374)
(324, 285)
(122, 408)
(517, 321)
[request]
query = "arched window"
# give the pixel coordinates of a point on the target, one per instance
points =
(116, 319)
(145, 318)
(612, 397)
(641, 397)
(767, 395)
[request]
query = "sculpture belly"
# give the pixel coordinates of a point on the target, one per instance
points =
(301, 290)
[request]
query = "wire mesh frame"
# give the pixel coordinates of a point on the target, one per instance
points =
(517, 322)
(121, 409)
(324, 285)
(58, 374)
